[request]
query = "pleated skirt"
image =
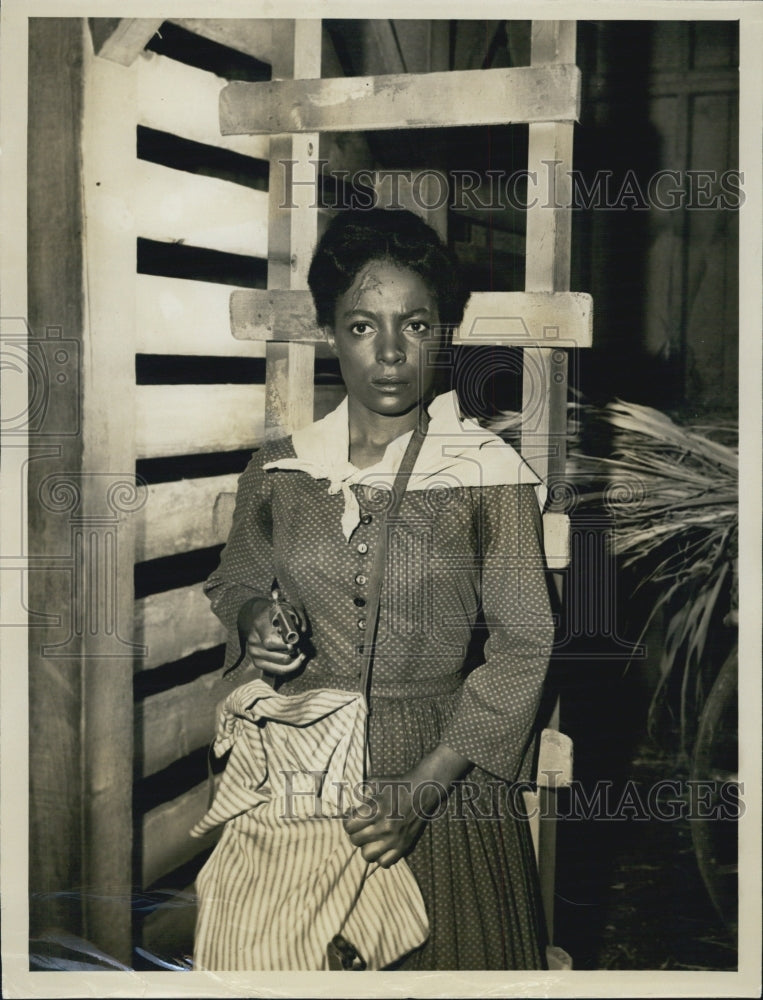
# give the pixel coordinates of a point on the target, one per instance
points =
(474, 862)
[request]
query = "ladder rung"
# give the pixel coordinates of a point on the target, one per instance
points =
(425, 100)
(512, 319)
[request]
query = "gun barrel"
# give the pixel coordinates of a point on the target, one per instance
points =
(284, 626)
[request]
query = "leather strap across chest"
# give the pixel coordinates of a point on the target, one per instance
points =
(376, 577)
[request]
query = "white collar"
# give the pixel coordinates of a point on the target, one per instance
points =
(456, 452)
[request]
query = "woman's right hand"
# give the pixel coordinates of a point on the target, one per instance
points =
(264, 646)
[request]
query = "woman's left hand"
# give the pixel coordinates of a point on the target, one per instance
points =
(391, 819)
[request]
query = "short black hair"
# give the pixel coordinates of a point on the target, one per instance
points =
(355, 236)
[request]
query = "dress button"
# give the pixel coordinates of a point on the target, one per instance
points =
(362, 548)
(361, 580)
(359, 602)
(366, 519)
(361, 623)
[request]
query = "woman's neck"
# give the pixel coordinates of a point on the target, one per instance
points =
(371, 433)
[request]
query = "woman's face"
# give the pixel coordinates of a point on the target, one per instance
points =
(384, 325)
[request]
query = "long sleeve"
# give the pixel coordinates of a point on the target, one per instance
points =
(500, 697)
(246, 567)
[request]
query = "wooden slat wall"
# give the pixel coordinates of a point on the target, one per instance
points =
(188, 419)
(177, 722)
(178, 316)
(184, 100)
(174, 624)
(181, 516)
(174, 206)
(165, 837)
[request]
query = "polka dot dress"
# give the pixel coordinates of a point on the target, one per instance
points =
(463, 644)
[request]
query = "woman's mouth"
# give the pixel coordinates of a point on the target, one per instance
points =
(389, 384)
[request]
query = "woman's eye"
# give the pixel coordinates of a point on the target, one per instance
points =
(359, 329)
(417, 326)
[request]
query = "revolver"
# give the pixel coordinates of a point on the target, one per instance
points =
(284, 618)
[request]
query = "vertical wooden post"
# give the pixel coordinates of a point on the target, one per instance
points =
(549, 227)
(55, 308)
(544, 386)
(108, 393)
(292, 231)
(82, 272)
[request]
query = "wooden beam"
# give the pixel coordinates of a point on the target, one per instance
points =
(170, 725)
(556, 540)
(292, 232)
(174, 206)
(428, 100)
(547, 266)
(167, 843)
(289, 391)
(544, 385)
(175, 624)
(108, 447)
(274, 314)
(527, 319)
(183, 100)
(122, 39)
(515, 319)
(182, 516)
(55, 269)
(80, 669)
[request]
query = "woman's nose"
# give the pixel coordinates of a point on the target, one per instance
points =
(390, 349)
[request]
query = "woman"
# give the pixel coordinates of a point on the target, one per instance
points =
(450, 713)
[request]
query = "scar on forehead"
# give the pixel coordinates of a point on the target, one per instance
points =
(369, 282)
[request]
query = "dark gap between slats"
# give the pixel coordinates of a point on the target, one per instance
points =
(175, 881)
(176, 260)
(164, 786)
(177, 369)
(198, 158)
(183, 671)
(191, 369)
(177, 43)
(170, 572)
(327, 371)
(169, 470)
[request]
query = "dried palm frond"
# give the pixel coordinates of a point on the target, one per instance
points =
(672, 494)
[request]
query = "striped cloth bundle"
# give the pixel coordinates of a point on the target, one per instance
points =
(284, 877)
